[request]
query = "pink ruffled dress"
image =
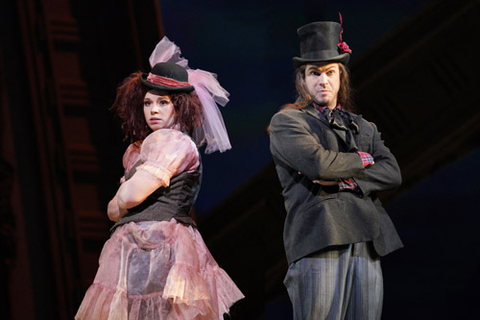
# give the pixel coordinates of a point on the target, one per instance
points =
(159, 269)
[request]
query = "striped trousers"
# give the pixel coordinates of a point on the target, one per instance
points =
(341, 282)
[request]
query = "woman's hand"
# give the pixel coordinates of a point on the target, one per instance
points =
(130, 194)
(135, 190)
(113, 211)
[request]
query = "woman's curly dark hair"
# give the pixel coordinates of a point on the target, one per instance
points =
(128, 106)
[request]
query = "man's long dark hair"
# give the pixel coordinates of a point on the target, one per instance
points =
(304, 99)
(344, 97)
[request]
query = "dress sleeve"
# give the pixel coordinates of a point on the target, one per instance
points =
(166, 153)
(131, 156)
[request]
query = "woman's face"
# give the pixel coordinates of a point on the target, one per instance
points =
(158, 109)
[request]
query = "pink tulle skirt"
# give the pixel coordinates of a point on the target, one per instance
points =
(158, 270)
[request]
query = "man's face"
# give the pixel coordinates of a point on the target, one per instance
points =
(322, 83)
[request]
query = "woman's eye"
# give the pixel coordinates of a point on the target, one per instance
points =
(146, 103)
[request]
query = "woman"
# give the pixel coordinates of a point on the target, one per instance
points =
(156, 265)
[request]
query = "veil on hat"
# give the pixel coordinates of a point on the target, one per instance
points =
(209, 91)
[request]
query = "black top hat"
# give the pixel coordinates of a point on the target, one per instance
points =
(167, 76)
(322, 42)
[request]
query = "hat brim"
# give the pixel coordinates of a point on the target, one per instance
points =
(155, 86)
(342, 58)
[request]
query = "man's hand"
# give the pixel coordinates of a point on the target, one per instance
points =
(325, 183)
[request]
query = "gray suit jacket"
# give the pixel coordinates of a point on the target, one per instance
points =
(306, 148)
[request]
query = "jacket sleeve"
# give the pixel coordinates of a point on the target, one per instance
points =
(292, 142)
(384, 174)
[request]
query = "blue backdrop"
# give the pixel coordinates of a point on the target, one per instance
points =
(250, 44)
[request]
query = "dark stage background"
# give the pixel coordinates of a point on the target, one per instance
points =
(250, 44)
(416, 76)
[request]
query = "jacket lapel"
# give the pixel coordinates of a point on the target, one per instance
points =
(342, 134)
(338, 127)
(316, 114)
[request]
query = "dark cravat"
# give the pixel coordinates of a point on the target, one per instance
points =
(338, 119)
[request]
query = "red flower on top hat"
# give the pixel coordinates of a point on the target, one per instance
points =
(343, 47)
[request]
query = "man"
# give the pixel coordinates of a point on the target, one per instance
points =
(332, 164)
